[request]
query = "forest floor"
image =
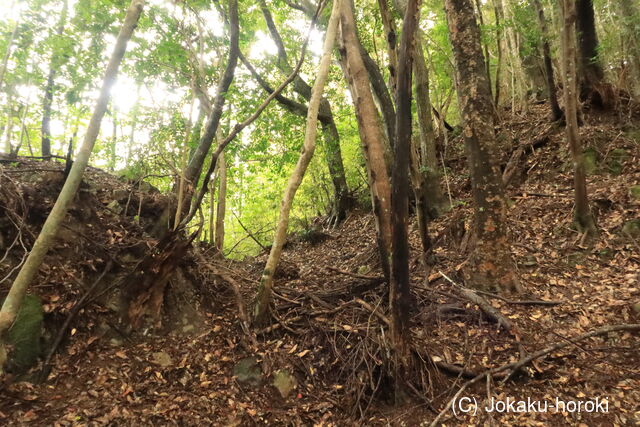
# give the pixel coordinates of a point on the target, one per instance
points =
(327, 342)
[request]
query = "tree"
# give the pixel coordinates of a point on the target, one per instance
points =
(50, 228)
(400, 290)
(263, 299)
(54, 65)
(371, 134)
(556, 112)
(582, 214)
(491, 266)
(591, 73)
(342, 202)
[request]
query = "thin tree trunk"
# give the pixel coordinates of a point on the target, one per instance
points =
(391, 36)
(630, 16)
(400, 290)
(50, 228)
(556, 112)
(485, 46)
(7, 54)
(54, 64)
(582, 214)
(432, 191)
(491, 265)
(114, 138)
(371, 134)
(7, 141)
(183, 164)
(263, 299)
(499, 16)
(333, 153)
(222, 203)
(134, 122)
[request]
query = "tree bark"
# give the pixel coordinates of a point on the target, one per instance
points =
(371, 134)
(263, 298)
(582, 214)
(222, 203)
(400, 290)
(391, 37)
(50, 228)
(54, 64)
(556, 112)
(591, 73)
(491, 265)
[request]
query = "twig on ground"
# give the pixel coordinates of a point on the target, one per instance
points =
(515, 366)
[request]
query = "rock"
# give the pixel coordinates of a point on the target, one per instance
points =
(115, 207)
(162, 358)
(634, 192)
(636, 307)
(248, 371)
(284, 382)
(631, 228)
(24, 335)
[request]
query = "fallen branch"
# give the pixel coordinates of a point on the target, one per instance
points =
(521, 302)
(484, 305)
(515, 366)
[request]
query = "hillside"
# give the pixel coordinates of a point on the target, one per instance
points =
(323, 350)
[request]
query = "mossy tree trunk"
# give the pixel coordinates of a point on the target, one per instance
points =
(491, 265)
(50, 228)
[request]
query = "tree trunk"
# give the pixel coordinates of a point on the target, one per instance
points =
(556, 112)
(630, 16)
(371, 134)
(427, 153)
(54, 64)
(582, 214)
(184, 153)
(263, 299)
(50, 228)
(7, 53)
(591, 73)
(485, 46)
(499, 16)
(222, 203)
(333, 153)
(7, 141)
(114, 139)
(400, 290)
(491, 265)
(391, 36)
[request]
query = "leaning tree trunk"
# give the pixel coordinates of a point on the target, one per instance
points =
(556, 112)
(400, 289)
(54, 64)
(591, 73)
(7, 53)
(491, 265)
(371, 133)
(582, 214)
(263, 298)
(50, 228)
(333, 153)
